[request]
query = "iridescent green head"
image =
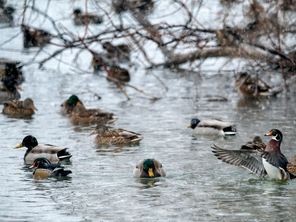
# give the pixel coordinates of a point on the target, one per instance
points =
(72, 100)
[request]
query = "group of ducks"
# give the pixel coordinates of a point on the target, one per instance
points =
(47, 159)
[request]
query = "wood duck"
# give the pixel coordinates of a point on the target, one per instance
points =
(149, 168)
(33, 37)
(106, 135)
(116, 73)
(19, 108)
(35, 150)
(43, 169)
(212, 127)
(86, 18)
(268, 162)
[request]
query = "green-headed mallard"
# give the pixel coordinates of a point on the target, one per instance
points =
(106, 135)
(85, 18)
(212, 127)
(19, 108)
(6, 15)
(254, 87)
(33, 37)
(8, 90)
(268, 162)
(43, 169)
(149, 168)
(34, 150)
(79, 115)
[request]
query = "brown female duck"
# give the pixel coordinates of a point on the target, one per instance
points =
(106, 135)
(254, 87)
(85, 18)
(19, 108)
(35, 37)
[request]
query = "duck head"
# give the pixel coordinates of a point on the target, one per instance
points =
(149, 169)
(275, 134)
(41, 163)
(73, 100)
(77, 11)
(29, 141)
(29, 104)
(194, 123)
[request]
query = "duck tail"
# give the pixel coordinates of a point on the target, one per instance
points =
(230, 130)
(64, 154)
(61, 172)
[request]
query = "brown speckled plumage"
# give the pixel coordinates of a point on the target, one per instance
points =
(19, 108)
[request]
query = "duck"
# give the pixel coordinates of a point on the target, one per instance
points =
(35, 150)
(6, 15)
(33, 37)
(107, 135)
(256, 144)
(117, 74)
(80, 115)
(254, 87)
(85, 18)
(121, 51)
(43, 169)
(212, 127)
(11, 69)
(141, 6)
(149, 168)
(19, 108)
(269, 162)
(8, 90)
(98, 61)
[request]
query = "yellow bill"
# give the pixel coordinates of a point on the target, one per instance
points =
(20, 145)
(150, 172)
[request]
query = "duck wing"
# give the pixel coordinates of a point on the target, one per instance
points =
(214, 123)
(250, 160)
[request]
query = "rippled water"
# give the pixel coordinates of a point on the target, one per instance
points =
(198, 187)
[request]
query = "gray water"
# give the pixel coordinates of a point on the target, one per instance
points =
(198, 187)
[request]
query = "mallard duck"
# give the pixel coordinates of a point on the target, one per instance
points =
(11, 69)
(119, 52)
(8, 90)
(268, 162)
(33, 37)
(149, 168)
(252, 87)
(69, 105)
(212, 127)
(80, 115)
(106, 135)
(6, 15)
(43, 169)
(86, 18)
(116, 73)
(34, 150)
(19, 108)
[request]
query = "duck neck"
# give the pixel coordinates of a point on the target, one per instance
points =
(273, 146)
